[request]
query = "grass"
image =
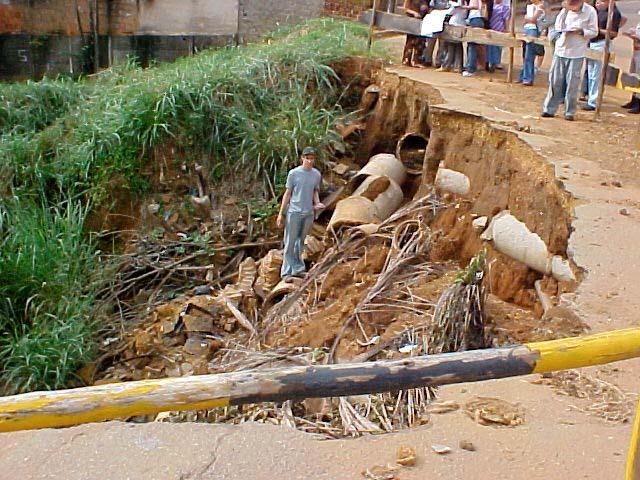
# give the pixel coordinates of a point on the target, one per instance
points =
(46, 305)
(247, 110)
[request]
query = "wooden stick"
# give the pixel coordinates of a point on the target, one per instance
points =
(512, 30)
(605, 59)
(372, 24)
(242, 320)
(116, 400)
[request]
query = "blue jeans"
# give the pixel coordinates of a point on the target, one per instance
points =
(494, 55)
(527, 73)
(593, 73)
(472, 48)
(564, 84)
(295, 231)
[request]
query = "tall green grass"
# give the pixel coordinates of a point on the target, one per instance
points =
(47, 267)
(248, 109)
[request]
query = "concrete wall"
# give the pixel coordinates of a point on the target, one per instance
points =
(261, 16)
(46, 37)
(206, 17)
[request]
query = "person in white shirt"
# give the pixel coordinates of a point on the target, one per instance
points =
(453, 58)
(576, 24)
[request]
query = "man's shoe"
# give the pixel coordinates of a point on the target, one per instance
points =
(583, 98)
(588, 108)
(527, 84)
(467, 74)
(546, 115)
(630, 103)
(569, 118)
(635, 109)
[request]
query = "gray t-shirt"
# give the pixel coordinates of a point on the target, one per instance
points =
(302, 184)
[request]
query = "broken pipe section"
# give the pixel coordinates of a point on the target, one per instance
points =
(376, 197)
(512, 238)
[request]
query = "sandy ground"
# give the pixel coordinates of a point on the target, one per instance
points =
(556, 441)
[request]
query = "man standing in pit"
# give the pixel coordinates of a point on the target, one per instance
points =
(302, 199)
(576, 24)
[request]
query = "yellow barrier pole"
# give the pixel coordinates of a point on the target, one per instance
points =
(103, 402)
(632, 469)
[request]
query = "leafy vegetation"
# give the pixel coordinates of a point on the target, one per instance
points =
(248, 109)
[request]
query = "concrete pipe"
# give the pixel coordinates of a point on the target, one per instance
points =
(410, 150)
(280, 291)
(452, 181)
(353, 211)
(385, 194)
(384, 165)
(512, 238)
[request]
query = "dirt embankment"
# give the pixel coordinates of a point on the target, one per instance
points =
(334, 312)
(505, 173)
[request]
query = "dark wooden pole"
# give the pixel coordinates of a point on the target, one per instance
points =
(93, 18)
(372, 24)
(512, 30)
(605, 59)
(102, 402)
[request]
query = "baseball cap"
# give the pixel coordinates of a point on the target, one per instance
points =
(309, 151)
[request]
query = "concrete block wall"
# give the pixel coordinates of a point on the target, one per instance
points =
(347, 8)
(43, 37)
(60, 17)
(257, 17)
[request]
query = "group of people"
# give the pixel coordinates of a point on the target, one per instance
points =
(578, 27)
(487, 14)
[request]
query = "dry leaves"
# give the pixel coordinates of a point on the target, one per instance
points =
(494, 411)
(607, 400)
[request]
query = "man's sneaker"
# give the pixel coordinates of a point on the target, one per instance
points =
(583, 98)
(569, 118)
(443, 69)
(588, 108)
(467, 74)
(546, 115)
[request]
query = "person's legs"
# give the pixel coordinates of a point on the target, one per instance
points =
(472, 59)
(593, 70)
(458, 57)
(573, 76)
(529, 62)
(584, 89)
(441, 53)
(556, 89)
(427, 56)
(447, 57)
(291, 256)
(494, 55)
(304, 225)
(407, 53)
(472, 48)
(593, 74)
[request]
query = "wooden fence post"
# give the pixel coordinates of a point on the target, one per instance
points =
(512, 30)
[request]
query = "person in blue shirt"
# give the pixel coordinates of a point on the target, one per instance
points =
(300, 202)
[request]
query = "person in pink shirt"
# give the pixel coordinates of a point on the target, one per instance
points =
(498, 22)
